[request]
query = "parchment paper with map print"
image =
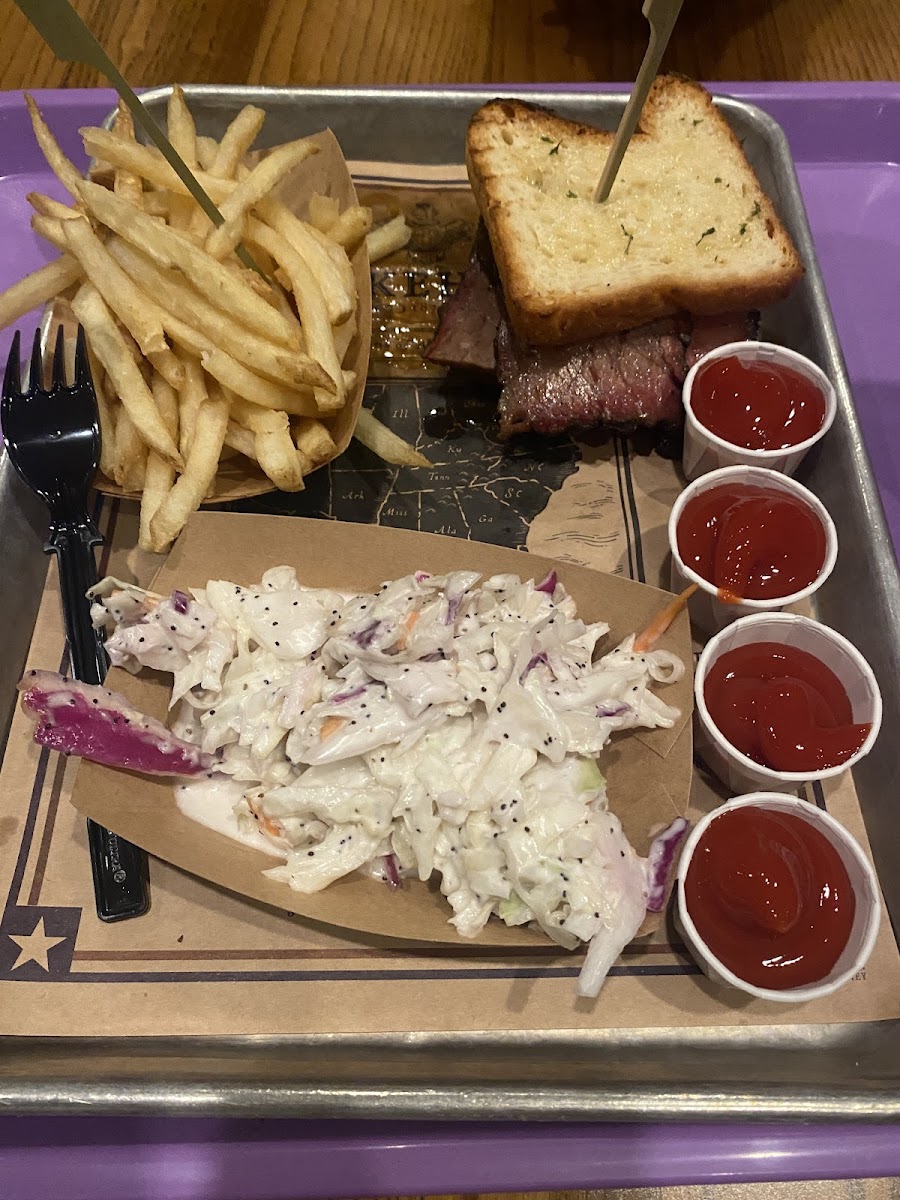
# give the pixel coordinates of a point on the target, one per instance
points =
(205, 962)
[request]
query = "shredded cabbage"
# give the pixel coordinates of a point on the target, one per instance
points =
(450, 724)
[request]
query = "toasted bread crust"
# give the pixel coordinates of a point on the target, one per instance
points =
(561, 317)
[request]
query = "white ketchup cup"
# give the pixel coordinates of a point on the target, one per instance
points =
(866, 920)
(705, 451)
(740, 773)
(708, 612)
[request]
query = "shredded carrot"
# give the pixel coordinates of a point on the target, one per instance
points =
(272, 827)
(661, 622)
(330, 726)
(410, 623)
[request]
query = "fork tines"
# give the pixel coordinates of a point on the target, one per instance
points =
(12, 378)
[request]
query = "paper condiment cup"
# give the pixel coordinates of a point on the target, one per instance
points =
(710, 614)
(862, 879)
(705, 451)
(736, 770)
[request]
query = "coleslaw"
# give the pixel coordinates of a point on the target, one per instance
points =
(442, 724)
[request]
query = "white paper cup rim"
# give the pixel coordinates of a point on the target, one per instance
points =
(760, 476)
(845, 844)
(751, 765)
(768, 351)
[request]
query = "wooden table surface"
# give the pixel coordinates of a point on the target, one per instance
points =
(308, 42)
(458, 41)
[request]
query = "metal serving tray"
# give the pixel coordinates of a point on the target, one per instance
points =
(841, 1071)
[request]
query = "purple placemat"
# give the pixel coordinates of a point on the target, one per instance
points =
(846, 141)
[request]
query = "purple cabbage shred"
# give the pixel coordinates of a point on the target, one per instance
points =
(365, 637)
(180, 602)
(659, 862)
(351, 695)
(534, 661)
(392, 874)
(548, 584)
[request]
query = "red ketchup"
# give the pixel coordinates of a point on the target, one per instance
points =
(770, 897)
(757, 405)
(783, 708)
(753, 543)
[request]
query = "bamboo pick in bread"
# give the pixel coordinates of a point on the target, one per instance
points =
(662, 15)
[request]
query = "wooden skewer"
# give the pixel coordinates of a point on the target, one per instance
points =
(661, 622)
(662, 15)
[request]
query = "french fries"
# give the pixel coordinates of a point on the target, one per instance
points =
(131, 307)
(38, 288)
(159, 475)
(385, 443)
(126, 183)
(388, 238)
(195, 358)
(192, 486)
(262, 180)
(273, 448)
(108, 343)
(182, 131)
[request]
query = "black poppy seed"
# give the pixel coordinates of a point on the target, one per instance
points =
(581, 860)
(274, 623)
(527, 829)
(503, 808)
(278, 643)
(515, 820)
(506, 735)
(202, 626)
(169, 647)
(140, 639)
(212, 712)
(484, 689)
(352, 722)
(174, 628)
(310, 853)
(382, 758)
(362, 706)
(95, 701)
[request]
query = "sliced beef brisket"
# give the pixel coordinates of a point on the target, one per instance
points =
(624, 379)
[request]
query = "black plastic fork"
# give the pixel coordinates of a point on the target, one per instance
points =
(53, 440)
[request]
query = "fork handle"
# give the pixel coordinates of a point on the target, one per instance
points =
(73, 546)
(121, 877)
